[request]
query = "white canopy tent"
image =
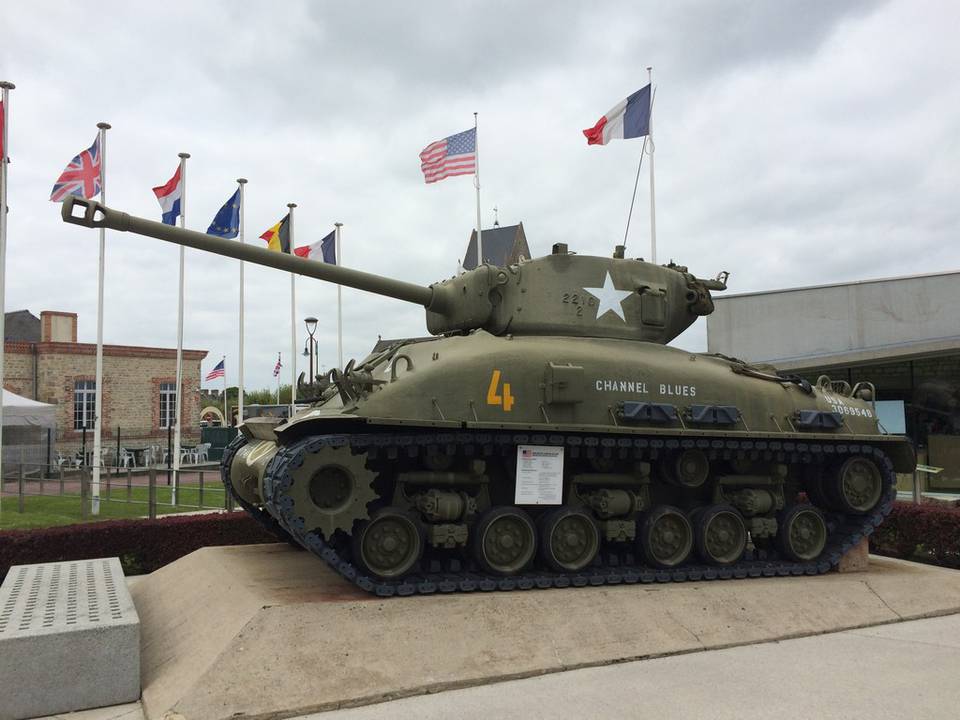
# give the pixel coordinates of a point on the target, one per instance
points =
(28, 429)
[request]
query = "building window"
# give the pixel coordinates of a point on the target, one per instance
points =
(168, 404)
(84, 404)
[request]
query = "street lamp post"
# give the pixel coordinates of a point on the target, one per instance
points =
(311, 323)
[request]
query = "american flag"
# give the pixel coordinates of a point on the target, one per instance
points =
(455, 155)
(81, 177)
(218, 371)
(276, 368)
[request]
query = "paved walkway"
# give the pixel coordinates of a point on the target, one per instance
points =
(904, 670)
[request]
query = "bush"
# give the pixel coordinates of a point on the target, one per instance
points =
(920, 532)
(142, 545)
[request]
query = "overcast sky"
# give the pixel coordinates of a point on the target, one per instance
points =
(795, 144)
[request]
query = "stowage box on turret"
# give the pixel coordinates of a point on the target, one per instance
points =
(548, 437)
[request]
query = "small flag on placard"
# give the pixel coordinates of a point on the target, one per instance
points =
(227, 222)
(81, 177)
(169, 198)
(323, 250)
(276, 368)
(278, 237)
(454, 155)
(628, 119)
(218, 371)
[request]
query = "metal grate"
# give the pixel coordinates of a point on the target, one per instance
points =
(53, 597)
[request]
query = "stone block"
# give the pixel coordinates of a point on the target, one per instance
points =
(69, 638)
(857, 560)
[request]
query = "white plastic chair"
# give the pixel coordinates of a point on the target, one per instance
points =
(127, 458)
(203, 452)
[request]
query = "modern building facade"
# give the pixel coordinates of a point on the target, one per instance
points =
(139, 383)
(902, 334)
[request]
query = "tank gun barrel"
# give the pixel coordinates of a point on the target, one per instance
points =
(96, 215)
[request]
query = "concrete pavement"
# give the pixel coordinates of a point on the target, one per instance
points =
(903, 670)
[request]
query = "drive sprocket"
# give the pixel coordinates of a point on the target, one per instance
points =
(329, 489)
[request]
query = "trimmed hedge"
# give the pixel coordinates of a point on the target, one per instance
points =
(142, 545)
(928, 533)
(913, 532)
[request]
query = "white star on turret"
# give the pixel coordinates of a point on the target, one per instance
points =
(610, 298)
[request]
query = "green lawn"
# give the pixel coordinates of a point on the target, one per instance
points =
(47, 510)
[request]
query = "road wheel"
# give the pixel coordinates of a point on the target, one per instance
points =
(389, 544)
(802, 533)
(665, 536)
(504, 540)
(721, 535)
(569, 539)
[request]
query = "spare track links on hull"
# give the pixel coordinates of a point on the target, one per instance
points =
(613, 566)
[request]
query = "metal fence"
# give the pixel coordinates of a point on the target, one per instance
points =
(154, 490)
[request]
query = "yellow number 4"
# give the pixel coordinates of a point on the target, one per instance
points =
(506, 400)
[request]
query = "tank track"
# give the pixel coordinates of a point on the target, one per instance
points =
(264, 518)
(613, 566)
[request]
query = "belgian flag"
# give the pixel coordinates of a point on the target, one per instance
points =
(278, 237)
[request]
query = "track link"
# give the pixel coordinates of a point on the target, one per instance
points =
(613, 566)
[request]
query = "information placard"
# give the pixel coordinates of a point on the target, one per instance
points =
(539, 475)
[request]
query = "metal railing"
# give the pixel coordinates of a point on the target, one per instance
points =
(154, 489)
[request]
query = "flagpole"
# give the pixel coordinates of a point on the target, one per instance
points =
(278, 378)
(241, 182)
(98, 382)
(5, 88)
(293, 319)
(476, 182)
(178, 404)
(224, 361)
(336, 246)
(653, 206)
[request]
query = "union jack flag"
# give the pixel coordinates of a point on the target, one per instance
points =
(81, 177)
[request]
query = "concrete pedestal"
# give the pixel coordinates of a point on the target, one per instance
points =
(69, 639)
(265, 631)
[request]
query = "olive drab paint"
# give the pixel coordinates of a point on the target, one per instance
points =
(409, 458)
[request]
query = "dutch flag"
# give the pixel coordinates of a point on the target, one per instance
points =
(169, 198)
(629, 118)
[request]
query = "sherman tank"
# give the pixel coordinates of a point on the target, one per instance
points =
(547, 436)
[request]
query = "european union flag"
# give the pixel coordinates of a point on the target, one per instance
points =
(227, 222)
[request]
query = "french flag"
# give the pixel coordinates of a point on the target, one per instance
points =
(628, 119)
(169, 198)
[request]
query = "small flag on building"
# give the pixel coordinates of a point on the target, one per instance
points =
(276, 368)
(226, 224)
(169, 198)
(278, 237)
(628, 119)
(323, 250)
(217, 371)
(81, 177)
(454, 155)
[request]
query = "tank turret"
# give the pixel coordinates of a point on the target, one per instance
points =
(559, 294)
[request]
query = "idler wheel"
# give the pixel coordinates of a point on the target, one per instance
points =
(330, 490)
(856, 486)
(665, 536)
(802, 533)
(389, 544)
(504, 540)
(569, 539)
(721, 535)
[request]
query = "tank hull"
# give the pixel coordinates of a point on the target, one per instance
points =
(724, 465)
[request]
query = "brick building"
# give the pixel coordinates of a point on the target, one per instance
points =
(44, 361)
